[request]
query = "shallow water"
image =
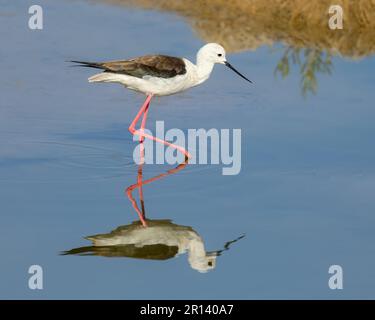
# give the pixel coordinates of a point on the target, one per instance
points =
(304, 197)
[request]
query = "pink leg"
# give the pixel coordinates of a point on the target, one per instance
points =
(141, 137)
(143, 124)
(140, 112)
(144, 111)
(182, 150)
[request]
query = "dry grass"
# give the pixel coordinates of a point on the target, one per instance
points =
(247, 24)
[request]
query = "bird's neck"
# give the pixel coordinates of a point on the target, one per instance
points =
(204, 69)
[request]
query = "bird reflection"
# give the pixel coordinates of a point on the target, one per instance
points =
(161, 240)
(152, 239)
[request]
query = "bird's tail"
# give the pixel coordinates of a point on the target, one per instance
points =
(104, 77)
(100, 77)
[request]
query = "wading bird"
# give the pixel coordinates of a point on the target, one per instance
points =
(159, 75)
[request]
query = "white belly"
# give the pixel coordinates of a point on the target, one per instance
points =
(161, 86)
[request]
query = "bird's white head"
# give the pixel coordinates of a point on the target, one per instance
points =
(212, 52)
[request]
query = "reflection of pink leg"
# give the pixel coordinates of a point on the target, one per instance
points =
(139, 179)
(135, 206)
(141, 214)
(141, 182)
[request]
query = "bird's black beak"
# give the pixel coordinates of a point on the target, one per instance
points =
(241, 75)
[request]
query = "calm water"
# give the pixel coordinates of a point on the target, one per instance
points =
(304, 198)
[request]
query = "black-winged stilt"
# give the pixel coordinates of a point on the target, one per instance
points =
(160, 75)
